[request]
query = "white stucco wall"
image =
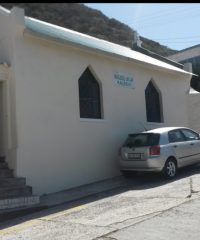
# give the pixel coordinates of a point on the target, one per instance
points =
(193, 103)
(182, 55)
(56, 149)
(193, 98)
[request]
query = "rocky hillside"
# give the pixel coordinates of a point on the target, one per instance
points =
(83, 19)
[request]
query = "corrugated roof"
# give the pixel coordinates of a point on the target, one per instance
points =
(70, 36)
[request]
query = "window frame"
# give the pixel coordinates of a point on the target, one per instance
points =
(90, 113)
(159, 103)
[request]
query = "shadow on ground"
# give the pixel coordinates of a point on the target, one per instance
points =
(138, 181)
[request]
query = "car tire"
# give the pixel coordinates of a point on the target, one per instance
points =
(170, 169)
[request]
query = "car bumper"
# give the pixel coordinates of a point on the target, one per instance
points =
(152, 164)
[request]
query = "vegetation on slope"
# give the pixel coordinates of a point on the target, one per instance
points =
(86, 20)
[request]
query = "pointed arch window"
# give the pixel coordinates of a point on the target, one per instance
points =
(89, 96)
(153, 103)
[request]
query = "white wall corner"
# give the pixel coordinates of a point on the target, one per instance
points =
(17, 16)
(188, 67)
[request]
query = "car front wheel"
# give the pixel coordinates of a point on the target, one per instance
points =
(170, 169)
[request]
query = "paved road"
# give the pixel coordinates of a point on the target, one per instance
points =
(148, 207)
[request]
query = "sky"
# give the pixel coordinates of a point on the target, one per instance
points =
(173, 25)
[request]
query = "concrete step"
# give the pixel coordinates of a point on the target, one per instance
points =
(15, 192)
(15, 196)
(13, 204)
(12, 182)
(6, 173)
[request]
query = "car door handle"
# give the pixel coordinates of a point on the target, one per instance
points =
(174, 146)
(191, 143)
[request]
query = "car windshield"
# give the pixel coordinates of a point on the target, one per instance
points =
(142, 140)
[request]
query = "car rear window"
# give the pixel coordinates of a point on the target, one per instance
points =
(142, 140)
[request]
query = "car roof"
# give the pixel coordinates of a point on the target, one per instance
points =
(163, 129)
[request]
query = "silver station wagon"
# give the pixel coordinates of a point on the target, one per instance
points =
(162, 150)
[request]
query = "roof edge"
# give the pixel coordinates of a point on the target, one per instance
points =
(4, 11)
(32, 29)
(184, 50)
(73, 44)
(157, 56)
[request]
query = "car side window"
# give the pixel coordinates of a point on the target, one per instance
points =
(190, 135)
(175, 136)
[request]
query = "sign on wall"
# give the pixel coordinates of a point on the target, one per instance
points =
(123, 80)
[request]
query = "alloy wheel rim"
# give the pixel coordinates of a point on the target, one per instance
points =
(171, 169)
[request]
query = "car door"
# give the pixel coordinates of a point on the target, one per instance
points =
(193, 140)
(179, 146)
